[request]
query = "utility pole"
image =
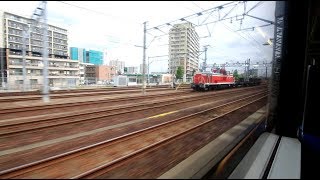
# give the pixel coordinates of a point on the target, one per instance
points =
(24, 59)
(148, 80)
(45, 92)
(266, 70)
(248, 68)
(266, 73)
(144, 59)
(205, 58)
(185, 69)
(245, 69)
(149, 70)
(2, 67)
(85, 77)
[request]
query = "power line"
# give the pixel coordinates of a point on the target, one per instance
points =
(196, 14)
(258, 4)
(104, 14)
(97, 12)
(258, 47)
(258, 43)
(252, 28)
(229, 11)
(234, 31)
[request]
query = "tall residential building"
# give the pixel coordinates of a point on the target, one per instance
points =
(183, 48)
(132, 70)
(62, 71)
(119, 65)
(78, 54)
(141, 68)
(94, 57)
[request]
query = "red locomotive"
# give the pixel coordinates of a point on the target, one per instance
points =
(212, 80)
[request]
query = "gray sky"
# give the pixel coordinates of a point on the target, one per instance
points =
(117, 26)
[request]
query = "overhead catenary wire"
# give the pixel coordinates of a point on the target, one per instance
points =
(211, 10)
(254, 27)
(256, 46)
(98, 12)
(255, 6)
(234, 31)
(195, 14)
(104, 14)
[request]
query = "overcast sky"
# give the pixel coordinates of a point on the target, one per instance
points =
(118, 25)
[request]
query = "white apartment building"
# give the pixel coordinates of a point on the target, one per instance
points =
(62, 71)
(183, 49)
(132, 70)
(145, 69)
(119, 65)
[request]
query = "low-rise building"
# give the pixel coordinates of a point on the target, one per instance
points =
(105, 73)
(98, 74)
(82, 69)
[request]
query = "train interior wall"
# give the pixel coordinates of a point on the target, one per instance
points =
(297, 108)
(298, 98)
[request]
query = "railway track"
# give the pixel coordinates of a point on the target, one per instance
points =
(50, 140)
(155, 162)
(3, 94)
(172, 150)
(88, 168)
(79, 94)
(92, 130)
(26, 123)
(44, 109)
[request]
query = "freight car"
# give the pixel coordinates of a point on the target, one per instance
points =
(242, 82)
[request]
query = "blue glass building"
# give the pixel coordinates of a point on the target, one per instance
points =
(78, 54)
(94, 57)
(74, 53)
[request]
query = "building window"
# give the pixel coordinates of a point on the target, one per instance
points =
(19, 81)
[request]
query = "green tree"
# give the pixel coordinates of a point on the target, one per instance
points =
(235, 74)
(179, 73)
